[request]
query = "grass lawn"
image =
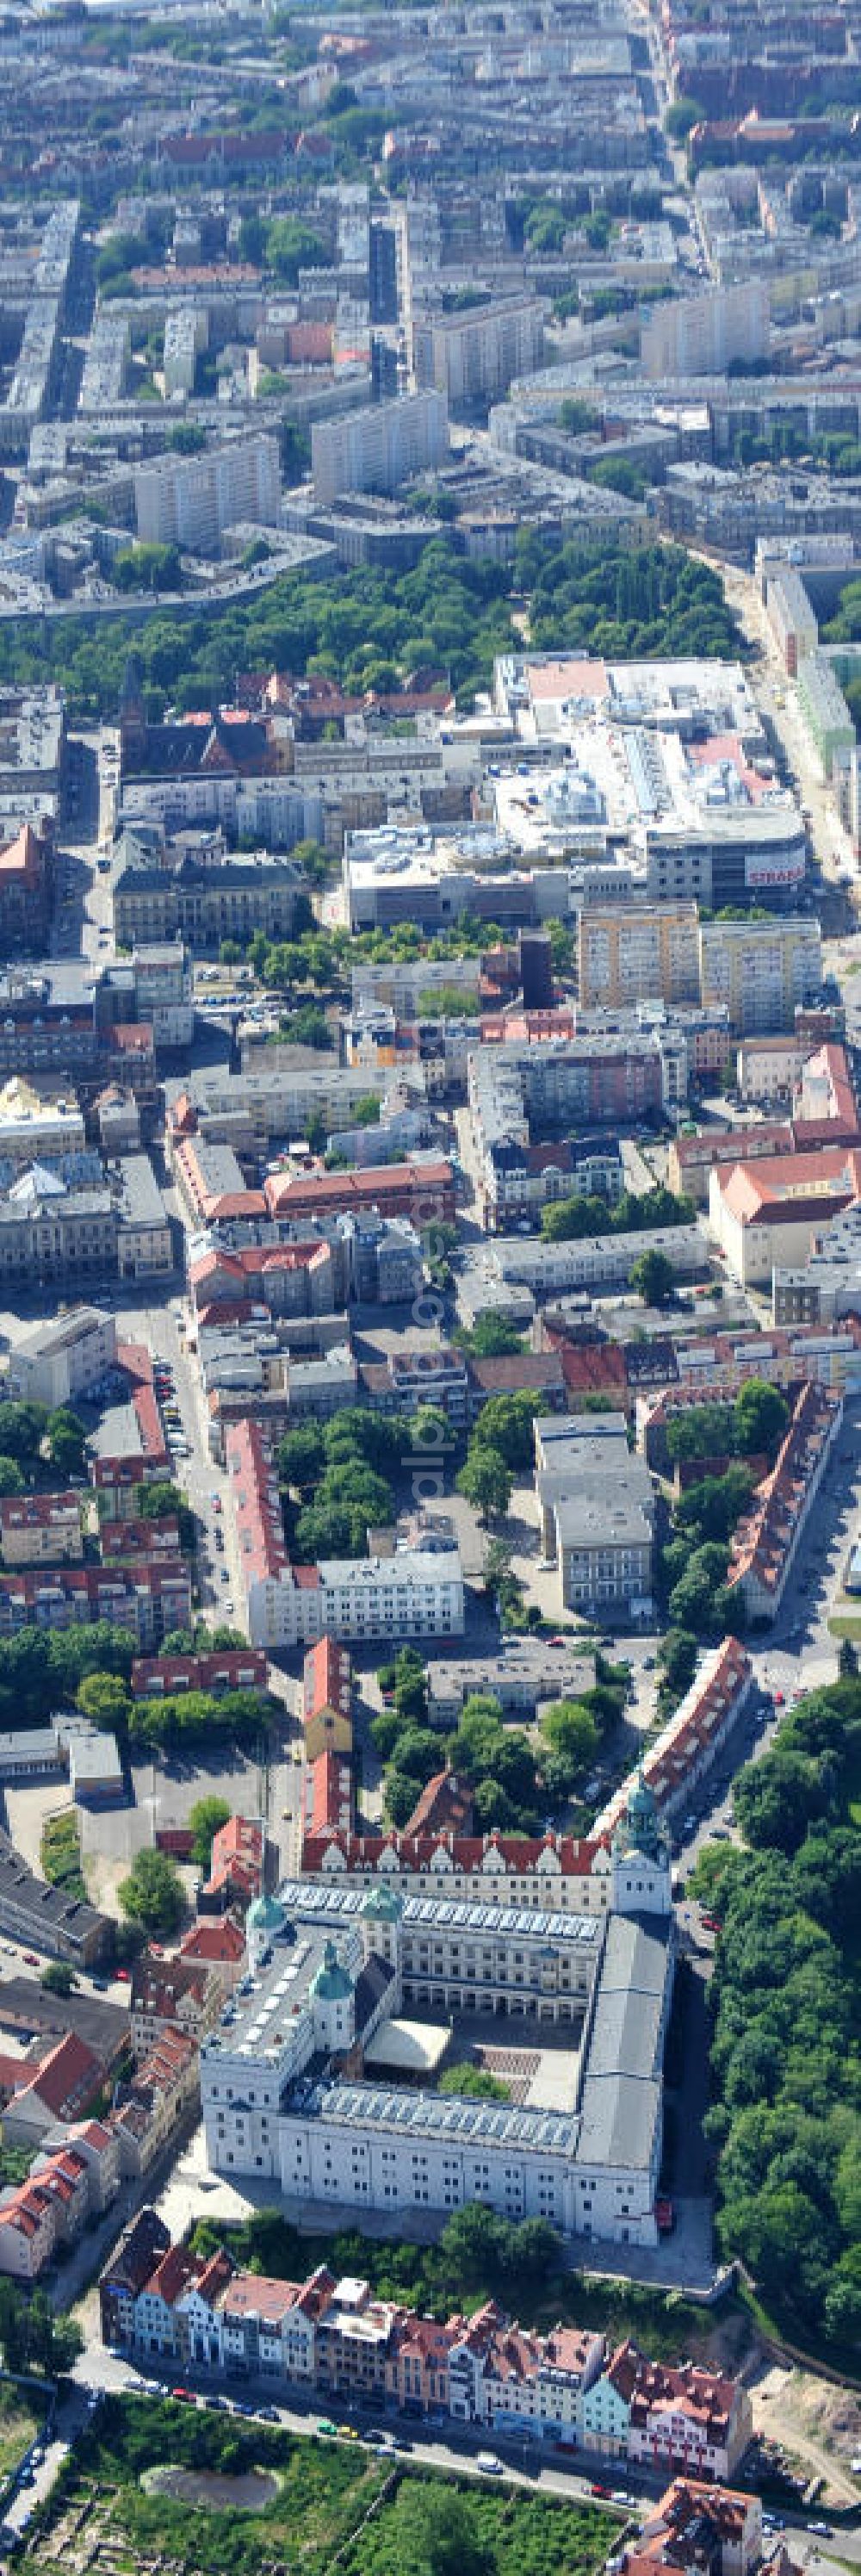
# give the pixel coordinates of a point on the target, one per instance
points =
(323, 2491)
(845, 1623)
(61, 1853)
(19, 2424)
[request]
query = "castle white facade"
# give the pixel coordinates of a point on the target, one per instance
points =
(284, 2085)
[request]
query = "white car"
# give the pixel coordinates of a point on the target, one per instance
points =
(490, 2464)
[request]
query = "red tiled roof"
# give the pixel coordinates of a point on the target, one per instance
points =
(445, 1806)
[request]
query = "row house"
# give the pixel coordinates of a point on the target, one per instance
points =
(681, 2417)
(146, 1600)
(336, 2337)
(228, 1668)
(766, 1542)
(152, 2106)
(172, 1994)
(514, 2381)
(687, 1746)
(45, 2214)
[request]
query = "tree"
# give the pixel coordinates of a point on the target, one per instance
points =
(497, 1563)
(677, 1659)
(436, 2532)
(67, 1441)
(711, 1508)
(22, 1430)
(152, 1894)
(291, 245)
(492, 1337)
(402, 1793)
(58, 1978)
(775, 1799)
(681, 116)
(574, 1219)
(11, 1479)
(206, 1819)
(505, 1424)
(572, 1735)
(418, 1755)
(693, 1602)
(761, 1417)
(160, 1500)
(471, 2247)
(485, 1481)
(847, 1661)
(652, 1276)
(349, 1500)
(105, 1700)
(301, 1456)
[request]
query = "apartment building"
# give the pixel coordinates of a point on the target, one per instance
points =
(597, 1263)
(411, 1377)
(693, 2520)
(378, 449)
(227, 1668)
(472, 357)
(421, 1191)
(825, 712)
(413, 1592)
(636, 952)
(766, 1542)
(152, 2107)
(44, 2215)
(327, 1699)
(190, 501)
(768, 1214)
(26, 892)
(41, 1529)
(277, 1091)
(63, 1357)
(597, 1516)
(46, 1919)
(201, 904)
(700, 335)
(37, 1130)
(171, 1994)
(767, 1070)
(761, 971)
(147, 1600)
(51, 1233)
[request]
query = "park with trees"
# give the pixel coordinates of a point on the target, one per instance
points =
(372, 631)
(514, 1776)
(786, 2088)
(635, 1212)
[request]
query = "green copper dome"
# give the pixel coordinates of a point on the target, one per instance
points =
(382, 1905)
(332, 1983)
(264, 1914)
